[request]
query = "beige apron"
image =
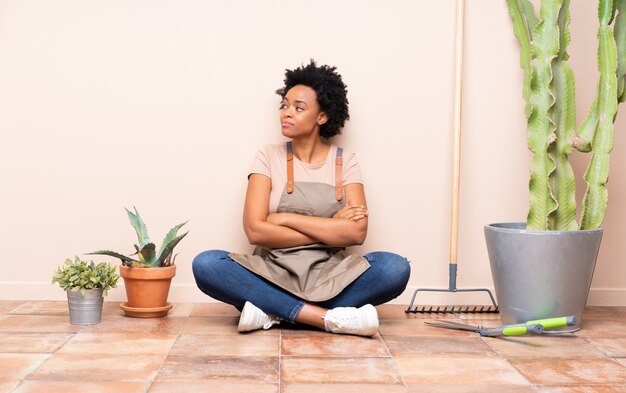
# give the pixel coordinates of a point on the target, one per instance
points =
(314, 272)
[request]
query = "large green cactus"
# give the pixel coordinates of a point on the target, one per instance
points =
(549, 91)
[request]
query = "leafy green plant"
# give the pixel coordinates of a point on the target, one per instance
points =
(548, 89)
(146, 253)
(81, 275)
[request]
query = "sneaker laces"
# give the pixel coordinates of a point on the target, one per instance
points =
(345, 322)
(350, 320)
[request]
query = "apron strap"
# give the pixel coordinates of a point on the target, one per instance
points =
(338, 174)
(289, 168)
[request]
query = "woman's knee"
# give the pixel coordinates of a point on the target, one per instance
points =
(392, 266)
(207, 263)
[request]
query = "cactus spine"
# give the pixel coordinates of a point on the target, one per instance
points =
(549, 91)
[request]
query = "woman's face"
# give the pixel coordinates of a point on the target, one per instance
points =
(300, 113)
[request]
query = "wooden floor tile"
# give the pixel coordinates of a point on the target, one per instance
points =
(300, 330)
(249, 369)
(471, 370)
(339, 370)
(614, 347)
(8, 386)
(330, 345)
(181, 310)
(40, 307)
(467, 388)
(213, 386)
(123, 324)
(431, 345)
(15, 366)
(226, 345)
(98, 367)
(571, 371)
(417, 327)
(343, 388)
(543, 346)
(214, 310)
(603, 328)
(217, 325)
(37, 324)
(81, 387)
(120, 343)
(581, 389)
(604, 312)
(6, 306)
(32, 342)
(112, 309)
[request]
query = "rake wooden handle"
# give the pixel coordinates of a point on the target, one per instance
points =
(456, 164)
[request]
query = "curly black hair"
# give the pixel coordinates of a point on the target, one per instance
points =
(331, 93)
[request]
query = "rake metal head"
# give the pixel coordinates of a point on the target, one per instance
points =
(487, 309)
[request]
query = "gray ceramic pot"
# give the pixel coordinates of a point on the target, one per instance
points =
(85, 309)
(541, 274)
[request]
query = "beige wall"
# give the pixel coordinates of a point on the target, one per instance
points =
(161, 105)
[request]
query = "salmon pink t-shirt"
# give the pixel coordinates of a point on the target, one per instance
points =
(271, 161)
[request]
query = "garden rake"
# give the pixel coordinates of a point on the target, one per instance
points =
(454, 217)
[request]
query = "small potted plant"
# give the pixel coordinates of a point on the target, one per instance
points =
(86, 284)
(147, 273)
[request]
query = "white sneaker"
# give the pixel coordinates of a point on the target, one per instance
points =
(253, 318)
(361, 321)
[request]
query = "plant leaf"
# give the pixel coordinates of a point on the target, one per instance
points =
(541, 125)
(529, 13)
(619, 32)
(170, 235)
(562, 180)
(564, 35)
(79, 275)
(597, 173)
(588, 127)
(147, 255)
(606, 12)
(140, 227)
(169, 248)
(124, 258)
(520, 11)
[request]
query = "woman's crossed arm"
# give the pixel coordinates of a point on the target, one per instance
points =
(280, 230)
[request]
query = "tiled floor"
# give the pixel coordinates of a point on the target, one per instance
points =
(197, 349)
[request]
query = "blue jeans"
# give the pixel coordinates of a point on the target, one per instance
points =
(224, 279)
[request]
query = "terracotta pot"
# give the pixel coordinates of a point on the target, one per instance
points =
(147, 290)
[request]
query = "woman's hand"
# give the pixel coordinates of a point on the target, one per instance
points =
(350, 212)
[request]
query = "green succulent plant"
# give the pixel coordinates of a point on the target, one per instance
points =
(82, 275)
(146, 253)
(549, 91)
